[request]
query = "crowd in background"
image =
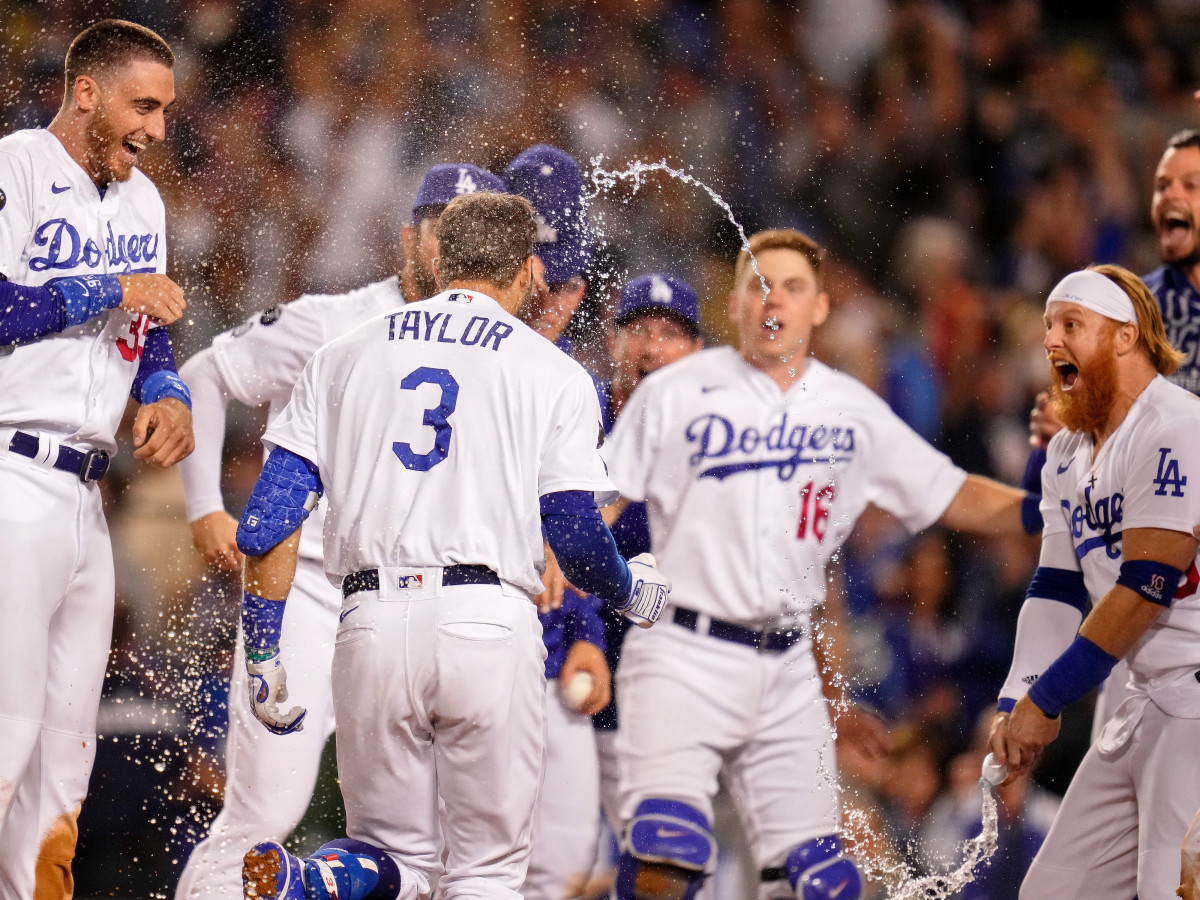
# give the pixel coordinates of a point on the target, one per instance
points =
(955, 158)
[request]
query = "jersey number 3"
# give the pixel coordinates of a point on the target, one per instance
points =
(438, 418)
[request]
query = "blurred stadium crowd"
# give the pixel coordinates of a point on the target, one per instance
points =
(956, 158)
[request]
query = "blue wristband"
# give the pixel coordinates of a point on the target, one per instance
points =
(1150, 580)
(1082, 667)
(86, 296)
(1031, 513)
(166, 383)
(1005, 704)
(262, 624)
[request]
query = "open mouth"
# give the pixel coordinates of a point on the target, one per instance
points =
(1173, 222)
(1067, 374)
(133, 146)
(772, 324)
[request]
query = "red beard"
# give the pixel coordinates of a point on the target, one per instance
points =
(1086, 407)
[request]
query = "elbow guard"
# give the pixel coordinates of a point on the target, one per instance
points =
(286, 492)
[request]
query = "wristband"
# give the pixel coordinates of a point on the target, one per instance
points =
(1150, 580)
(262, 623)
(1082, 667)
(165, 383)
(1031, 513)
(1063, 585)
(86, 296)
(1006, 704)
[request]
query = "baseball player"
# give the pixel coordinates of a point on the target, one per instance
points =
(435, 429)
(1119, 505)
(269, 778)
(82, 257)
(754, 464)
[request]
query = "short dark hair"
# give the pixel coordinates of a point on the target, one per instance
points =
(1189, 137)
(111, 42)
(485, 237)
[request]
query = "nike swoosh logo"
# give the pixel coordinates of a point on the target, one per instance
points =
(1062, 469)
(346, 613)
(55, 189)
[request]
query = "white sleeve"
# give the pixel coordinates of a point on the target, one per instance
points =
(296, 428)
(1162, 489)
(16, 221)
(908, 477)
(262, 358)
(201, 470)
(571, 458)
(631, 448)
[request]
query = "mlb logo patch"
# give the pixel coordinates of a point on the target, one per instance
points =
(409, 582)
(459, 297)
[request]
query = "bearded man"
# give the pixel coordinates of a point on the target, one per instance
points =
(1119, 501)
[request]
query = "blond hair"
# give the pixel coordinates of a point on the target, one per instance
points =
(1152, 335)
(783, 239)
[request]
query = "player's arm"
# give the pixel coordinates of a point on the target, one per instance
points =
(984, 506)
(269, 534)
(162, 429)
(583, 634)
(1154, 562)
(613, 511)
(588, 555)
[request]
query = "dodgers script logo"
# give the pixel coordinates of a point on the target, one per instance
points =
(1101, 515)
(716, 438)
(66, 249)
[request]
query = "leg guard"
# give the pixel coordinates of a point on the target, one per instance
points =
(360, 870)
(820, 870)
(669, 851)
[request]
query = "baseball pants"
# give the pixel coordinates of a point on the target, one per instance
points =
(439, 697)
(693, 704)
(567, 824)
(57, 609)
(269, 778)
(1123, 819)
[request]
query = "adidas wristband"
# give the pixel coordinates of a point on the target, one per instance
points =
(1082, 667)
(1153, 581)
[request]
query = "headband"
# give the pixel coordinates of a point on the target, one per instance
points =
(1096, 292)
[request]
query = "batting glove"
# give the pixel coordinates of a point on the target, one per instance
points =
(268, 688)
(649, 593)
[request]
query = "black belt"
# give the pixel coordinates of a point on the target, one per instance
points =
(89, 466)
(452, 576)
(766, 641)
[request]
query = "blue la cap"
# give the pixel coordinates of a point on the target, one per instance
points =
(552, 181)
(659, 293)
(445, 181)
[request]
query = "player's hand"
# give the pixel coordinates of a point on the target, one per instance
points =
(857, 726)
(268, 688)
(649, 594)
(215, 537)
(1043, 423)
(156, 296)
(1025, 735)
(162, 432)
(554, 583)
(584, 656)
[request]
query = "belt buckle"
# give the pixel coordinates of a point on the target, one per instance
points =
(85, 468)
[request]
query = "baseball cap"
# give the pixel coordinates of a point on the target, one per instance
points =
(659, 293)
(552, 181)
(445, 181)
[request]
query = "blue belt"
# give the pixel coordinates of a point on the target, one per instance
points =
(765, 641)
(89, 466)
(452, 576)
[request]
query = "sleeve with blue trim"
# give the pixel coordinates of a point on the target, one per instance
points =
(28, 313)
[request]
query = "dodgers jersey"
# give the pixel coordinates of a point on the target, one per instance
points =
(260, 362)
(1146, 475)
(751, 489)
(436, 428)
(54, 223)
(1180, 305)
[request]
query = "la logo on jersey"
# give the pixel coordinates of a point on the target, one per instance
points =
(1168, 475)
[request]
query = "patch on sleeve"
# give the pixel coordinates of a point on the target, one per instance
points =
(271, 316)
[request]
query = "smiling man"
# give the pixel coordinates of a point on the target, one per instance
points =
(82, 287)
(1119, 500)
(754, 464)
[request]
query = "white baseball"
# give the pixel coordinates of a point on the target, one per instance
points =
(578, 689)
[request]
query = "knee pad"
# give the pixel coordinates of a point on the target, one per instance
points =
(820, 870)
(669, 851)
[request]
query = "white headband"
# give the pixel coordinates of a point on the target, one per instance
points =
(1095, 292)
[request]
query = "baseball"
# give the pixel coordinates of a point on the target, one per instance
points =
(578, 689)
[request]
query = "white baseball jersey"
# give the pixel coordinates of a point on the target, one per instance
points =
(54, 223)
(260, 362)
(751, 489)
(1146, 475)
(436, 427)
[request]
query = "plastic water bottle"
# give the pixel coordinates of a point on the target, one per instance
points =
(994, 772)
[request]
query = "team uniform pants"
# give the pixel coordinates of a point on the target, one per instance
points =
(567, 824)
(692, 704)
(439, 697)
(1123, 819)
(57, 610)
(269, 778)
